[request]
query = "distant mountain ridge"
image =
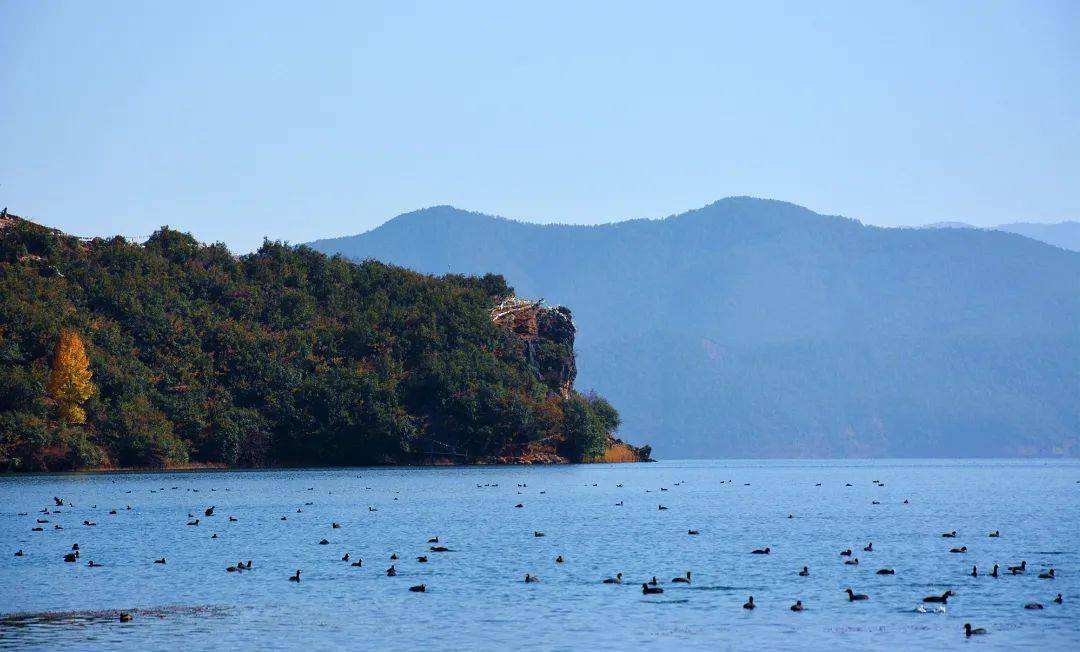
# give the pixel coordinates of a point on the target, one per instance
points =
(758, 328)
(1062, 234)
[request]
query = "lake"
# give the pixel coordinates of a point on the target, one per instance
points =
(602, 519)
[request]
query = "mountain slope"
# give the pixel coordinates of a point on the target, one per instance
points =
(759, 328)
(1063, 234)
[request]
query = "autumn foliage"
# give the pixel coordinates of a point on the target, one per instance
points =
(69, 382)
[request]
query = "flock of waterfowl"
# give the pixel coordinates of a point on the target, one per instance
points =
(651, 586)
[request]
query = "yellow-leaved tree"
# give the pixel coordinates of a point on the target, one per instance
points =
(70, 382)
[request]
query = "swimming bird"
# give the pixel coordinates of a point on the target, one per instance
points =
(94, 564)
(650, 590)
(797, 606)
(323, 542)
(195, 522)
(886, 571)
(949, 535)
(345, 557)
(335, 525)
(1016, 570)
(209, 511)
(869, 547)
(1033, 605)
(419, 588)
(749, 604)
(660, 507)
(846, 553)
(1058, 599)
(614, 580)
(968, 631)
(393, 556)
(805, 572)
(654, 581)
(559, 559)
(682, 580)
(1048, 575)
(433, 540)
(71, 556)
(852, 596)
(529, 579)
(233, 569)
(392, 571)
(994, 573)
(19, 553)
(125, 617)
(995, 534)
(537, 533)
(422, 559)
(439, 549)
(159, 561)
(358, 563)
(974, 571)
(760, 551)
(943, 598)
(295, 578)
(960, 549)
(232, 519)
(692, 532)
(852, 562)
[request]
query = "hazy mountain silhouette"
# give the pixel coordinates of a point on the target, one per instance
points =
(759, 328)
(1062, 234)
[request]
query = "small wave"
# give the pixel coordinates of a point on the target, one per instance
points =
(101, 615)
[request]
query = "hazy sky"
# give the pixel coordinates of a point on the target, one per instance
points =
(236, 120)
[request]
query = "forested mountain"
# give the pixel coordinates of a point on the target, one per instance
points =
(758, 328)
(1062, 234)
(173, 352)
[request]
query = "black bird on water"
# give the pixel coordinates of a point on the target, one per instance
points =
(422, 559)
(943, 598)
(974, 571)
(760, 551)
(159, 561)
(682, 580)
(886, 571)
(1058, 599)
(994, 573)
(969, 632)
(419, 588)
(854, 597)
(995, 534)
(614, 580)
(805, 572)
(846, 553)
(559, 559)
(209, 511)
(961, 549)
(949, 535)
(650, 590)
(392, 571)
(529, 579)
(1048, 575)
(852, 562)
(797, 606)
(749, 604)
(295, 578)
(1016, 570)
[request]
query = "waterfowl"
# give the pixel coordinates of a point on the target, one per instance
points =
(614, 580)
(125, 617)
(1016, 570)
(335, 525)
(659, 507)
(943, 598)
(846, 553)
(682, 580)
(1058, 599)
(439, 549)
(994, 573)
(393, 556)
(805, 572)
(886, 571)
(650, 590)
(797, 606)
(968, 631)
(232, 519)
(112, 512)
(392, 571)
(243, 565)
(529, 579)
(764, 551)
(654, 581)
(323, 542)
(1048, 575)
(295, 578)
(433, 540)
(619, 504)
(995, 534)
(852, 562)
(283, 518)
(345, 557)
(1033, 605)
(960, 549)
(233, 569)
(852, 596)
(419, 588)
(692, 532)
(869, 547)
(209, 511)
(537, 533)
(71, 557)
(159, 561)
(195, 522)
(214, 535)
(949, 535)
(358, 563)
(93, 564)
(422, 559)
(749, 604)
(372, 509)
(559, 559)
(974, 571)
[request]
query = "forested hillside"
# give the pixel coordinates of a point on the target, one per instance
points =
(174, 352)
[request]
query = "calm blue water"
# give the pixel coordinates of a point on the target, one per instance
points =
(476, 596)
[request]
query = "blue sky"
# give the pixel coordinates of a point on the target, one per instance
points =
(303, 120)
